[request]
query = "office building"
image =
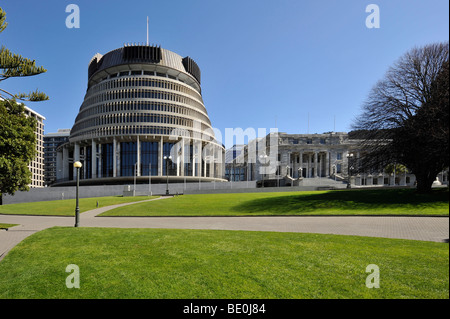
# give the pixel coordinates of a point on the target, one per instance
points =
(143, 115)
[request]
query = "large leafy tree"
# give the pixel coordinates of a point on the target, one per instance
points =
(423, 141)
(17, 131)
(405, 117)
(17, 147)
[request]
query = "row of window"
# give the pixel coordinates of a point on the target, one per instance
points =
(141, 106)
(142, 81)
(149, 160)
(306, 141)
(125, 118)
(135, 130)
(143, 94)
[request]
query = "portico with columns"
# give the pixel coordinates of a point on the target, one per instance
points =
(124, 158)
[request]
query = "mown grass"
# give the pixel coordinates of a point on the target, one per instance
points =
(210, 264)
(340, 202)
(66, 207)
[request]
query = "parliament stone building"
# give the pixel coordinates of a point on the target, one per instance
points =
(328, 160)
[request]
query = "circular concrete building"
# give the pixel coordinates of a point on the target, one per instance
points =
(142, 115)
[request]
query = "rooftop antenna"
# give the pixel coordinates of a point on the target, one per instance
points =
(147, 30)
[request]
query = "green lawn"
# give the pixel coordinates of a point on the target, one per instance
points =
(340, 202)
(190, 264)
(66, 207)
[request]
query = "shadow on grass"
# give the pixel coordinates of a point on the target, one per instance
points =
(362, 200)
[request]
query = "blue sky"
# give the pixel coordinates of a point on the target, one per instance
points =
(263, 63)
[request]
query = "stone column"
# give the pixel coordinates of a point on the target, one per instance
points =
(289, 160)
(194, 157)
(99, 161)
(115, 158)
(301, 163)
(327, 164)
(138, 157)
(160, 157)
(316, 166)
(199, 158)
(94, 159)
(205, 161)
(212, 169)
(222, 164)
(182, 157)
(83, 159)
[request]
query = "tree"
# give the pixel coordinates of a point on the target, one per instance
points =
(14, 65)
(423, 141)
(17, 131)
(405, 116)
(17, 145)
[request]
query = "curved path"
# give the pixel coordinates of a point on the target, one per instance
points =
(415, 228)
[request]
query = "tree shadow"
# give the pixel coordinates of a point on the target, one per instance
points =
(340, 200)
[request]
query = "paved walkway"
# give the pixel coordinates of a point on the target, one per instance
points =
(415, 228)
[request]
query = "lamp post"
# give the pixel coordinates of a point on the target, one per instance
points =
(77, 165)
(167, 158)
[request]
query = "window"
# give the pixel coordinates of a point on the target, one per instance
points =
(136, 72)
(149, 154)
(128, 158)
(322, 141)
(339, 156)
(309, 141)
(107, 160)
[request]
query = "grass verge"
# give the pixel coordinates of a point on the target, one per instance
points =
(340, 202)
(66, 207)
(175, 264)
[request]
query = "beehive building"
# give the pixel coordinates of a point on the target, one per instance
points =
(143, 115)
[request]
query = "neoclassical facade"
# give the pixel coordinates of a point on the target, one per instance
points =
(281, 159)
(142, 116)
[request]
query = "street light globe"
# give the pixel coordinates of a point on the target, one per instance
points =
(77, 165)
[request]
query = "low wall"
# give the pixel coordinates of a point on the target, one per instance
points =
(69, 192)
